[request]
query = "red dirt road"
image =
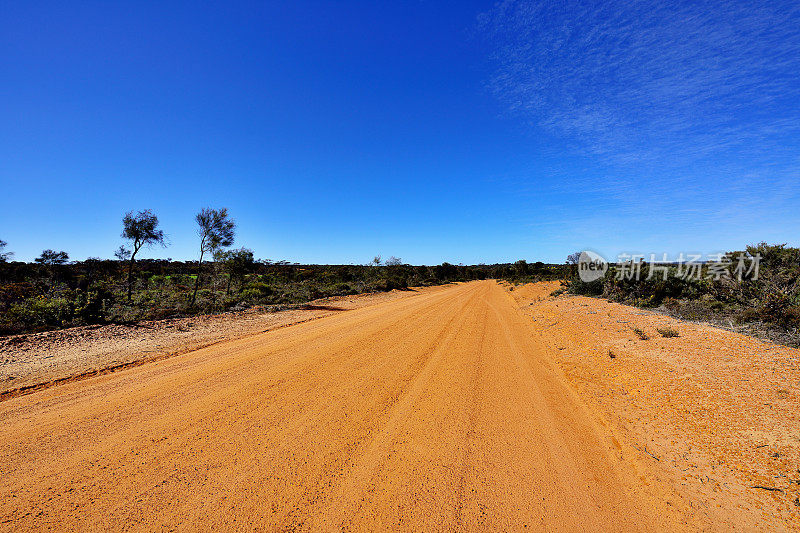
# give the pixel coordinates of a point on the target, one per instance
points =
(438, 411)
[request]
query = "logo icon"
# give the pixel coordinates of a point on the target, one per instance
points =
(591, 266)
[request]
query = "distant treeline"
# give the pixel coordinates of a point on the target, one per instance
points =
(52, 294)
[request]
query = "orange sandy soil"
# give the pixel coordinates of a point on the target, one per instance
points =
(463, 407)
(719, 412)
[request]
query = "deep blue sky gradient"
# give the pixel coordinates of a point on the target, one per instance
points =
(433, 131)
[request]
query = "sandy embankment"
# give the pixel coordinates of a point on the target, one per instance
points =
(718, 410)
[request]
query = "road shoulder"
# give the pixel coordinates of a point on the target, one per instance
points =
(714, 411)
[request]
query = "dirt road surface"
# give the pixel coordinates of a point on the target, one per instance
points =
(438, 411)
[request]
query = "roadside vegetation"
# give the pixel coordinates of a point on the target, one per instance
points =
(54, 292)
(766, 305)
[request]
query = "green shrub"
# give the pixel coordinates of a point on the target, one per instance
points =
(39, 314)
(668, 332)
(262, 289)
(593, 288)
(344, 288)
(250, 295)
(91, 307)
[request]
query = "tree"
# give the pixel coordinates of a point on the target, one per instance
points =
(237, 263)
(445, 271)
(216, 231)
(4, 256)
(393, 261)
(142, 230)
(51, 258)
(572, 264)
(520, 268)
(122, 253)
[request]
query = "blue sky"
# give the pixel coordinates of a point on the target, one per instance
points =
(433, 131)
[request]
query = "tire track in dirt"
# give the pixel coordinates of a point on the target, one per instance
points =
(363, 471)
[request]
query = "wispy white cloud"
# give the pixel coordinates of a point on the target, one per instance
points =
(693, 107)
(639, 80)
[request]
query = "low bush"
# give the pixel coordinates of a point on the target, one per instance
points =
(38, 314)
(668, 332)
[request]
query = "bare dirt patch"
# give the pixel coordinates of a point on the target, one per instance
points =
(720, 411)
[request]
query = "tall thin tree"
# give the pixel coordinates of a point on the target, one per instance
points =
(216, 232)
(142, 230)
